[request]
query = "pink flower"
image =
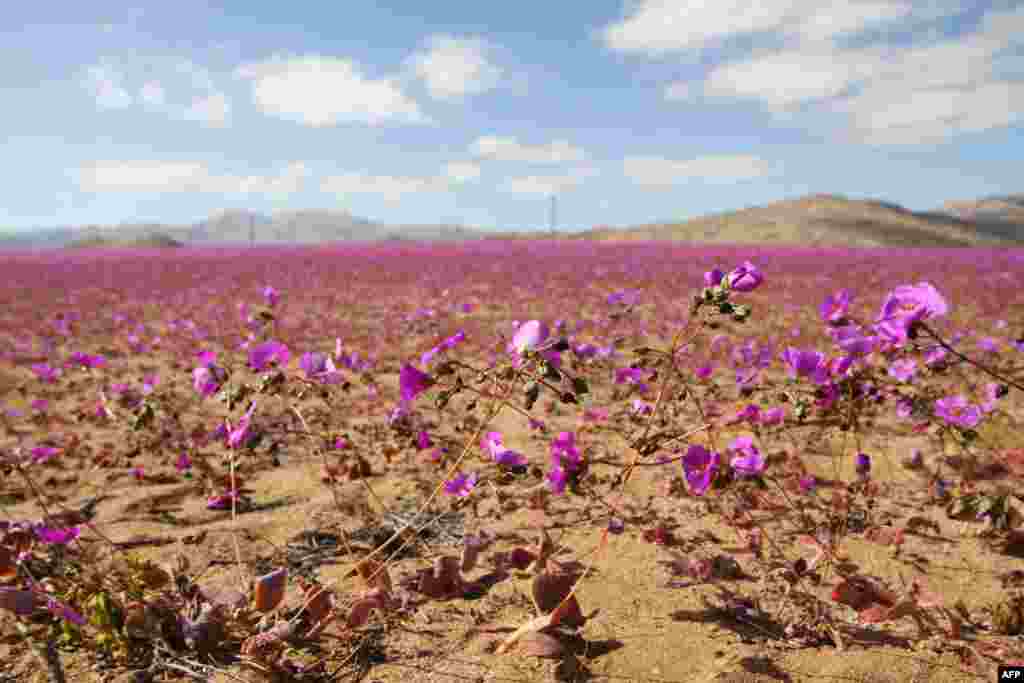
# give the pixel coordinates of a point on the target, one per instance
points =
(461, 485)
(699, 467)
(529, 336)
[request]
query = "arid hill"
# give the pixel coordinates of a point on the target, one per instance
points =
(821, 220)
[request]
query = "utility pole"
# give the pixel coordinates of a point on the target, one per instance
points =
(554, 213)
(252, 230)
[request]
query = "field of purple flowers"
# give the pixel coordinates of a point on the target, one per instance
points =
(512, 461)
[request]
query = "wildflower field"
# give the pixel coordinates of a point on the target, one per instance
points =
(511, 461)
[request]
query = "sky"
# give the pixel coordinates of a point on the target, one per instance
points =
(477, 113)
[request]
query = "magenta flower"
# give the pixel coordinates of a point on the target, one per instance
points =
(907, 305)
(423, 440)
(57, 536)
(139, 472)
(222, 501)
(957, 411)
(492, 443)
(557, 478)
(713, 277)
(261, 355)
(641, 407)
(699, 467)
(704, 371)
(208, 379)
(862, 464)
(86, 361)
(271, 296)
(835, 308)
(460, 485)
(903, 369)
(745, 278)
(240, 435)
(529, 336)
(564, 452)
(773, 416)
(853, 340)
(751, 413)
(750, 462)
(41, 454)
(183, 463)
(412, 382)
(46, 373)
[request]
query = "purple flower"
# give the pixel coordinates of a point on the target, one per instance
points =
(806, 364)
(40, 404)
(62, 611)
(704, 371)
(183, 463)
(461, 485)
(773, 416)
(412, 382)
(271, 296)
(835, 308)
(957, 411)
(808, 484)
(564, 452)
(745, 278)
(903, 369)
(57, 536)
(207, 380)
(904, 408)
(699, 467)
(240, 435)
(223, 501)
(750, 462)
(557, 478)
(529, 336)
(862, 464)
(86, 361)
(45, 373)
(853, 340)
(751, 413)
(626, 297)
(641, 407)
(907, 305)
(41, 454)
(713, 277)
(320, 367)
(261, 355)
(423, 440)
(492, 443)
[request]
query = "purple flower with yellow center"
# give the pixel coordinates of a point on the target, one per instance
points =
(699, 467)
(956, 410)
(412, 382)
(907, 305)
(750, 462)
(461, 485)
(262, 355)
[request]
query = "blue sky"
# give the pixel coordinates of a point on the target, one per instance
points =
(476, 112)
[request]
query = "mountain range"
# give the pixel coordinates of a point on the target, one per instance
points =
(813, 220)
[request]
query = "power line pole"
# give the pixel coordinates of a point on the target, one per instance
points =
(554, 212)
(252, 230)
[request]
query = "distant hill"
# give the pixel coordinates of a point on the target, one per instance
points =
(310, 226)
(814, 220)
(823, 220)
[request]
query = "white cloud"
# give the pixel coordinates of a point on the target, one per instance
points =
(105, 82)
(509, 149)
(184, 176)
(658, 26)
(652, 171)
(924, 92)
(319, 91)
(452, 68)
(544, 185)
(462, 171)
